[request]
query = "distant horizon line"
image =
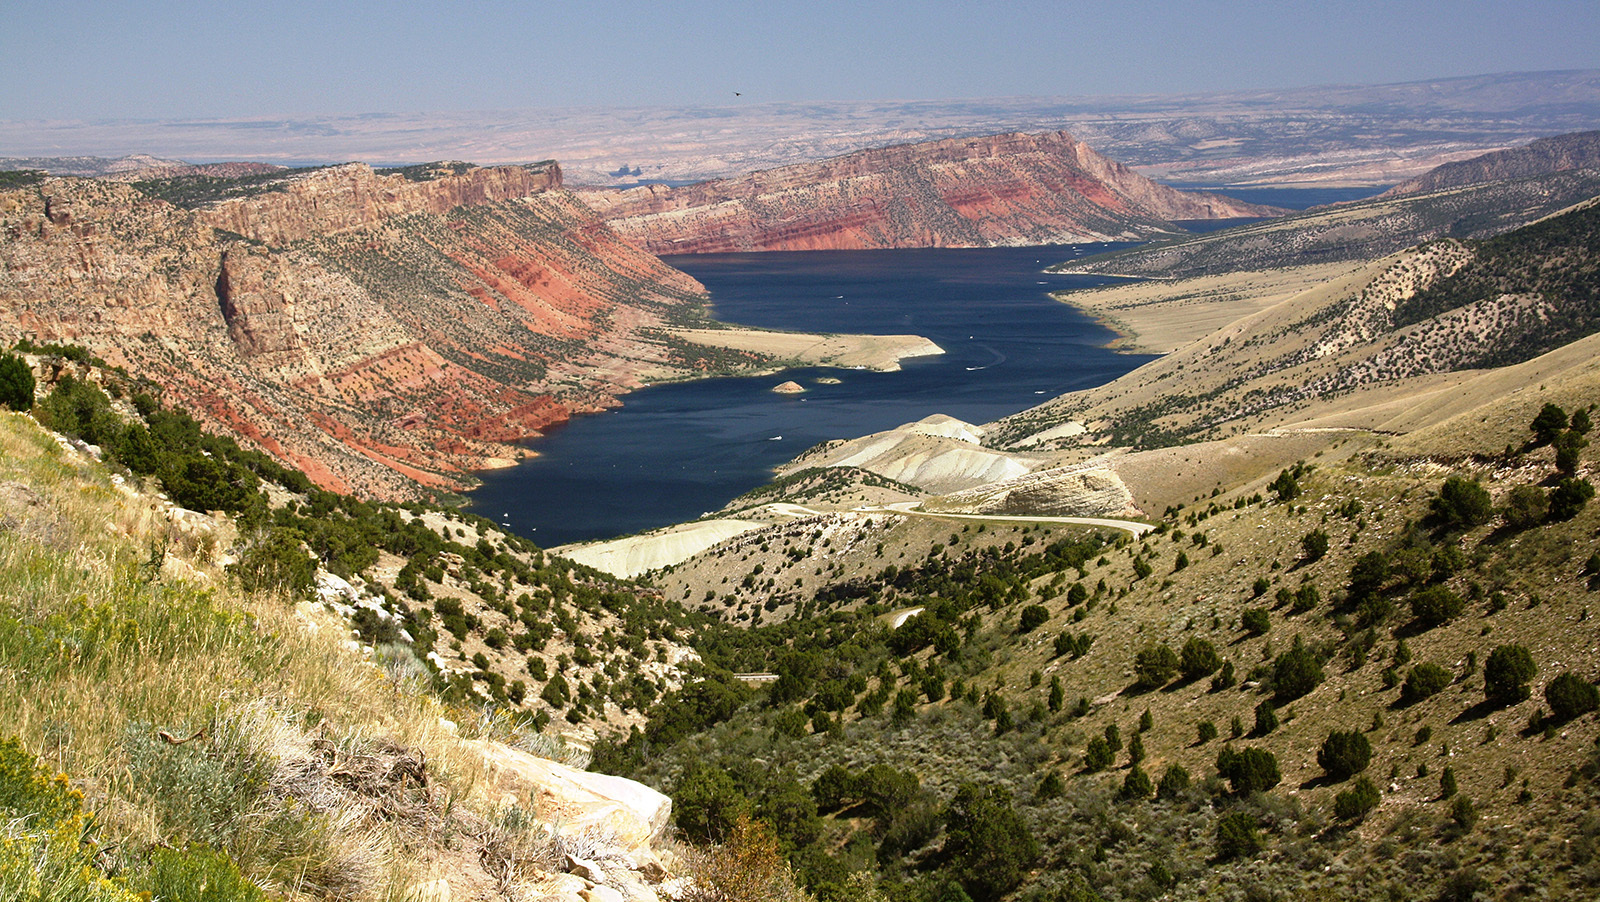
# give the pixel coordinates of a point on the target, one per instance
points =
(285, 117)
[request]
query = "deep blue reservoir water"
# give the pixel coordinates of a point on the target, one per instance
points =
(674, 452)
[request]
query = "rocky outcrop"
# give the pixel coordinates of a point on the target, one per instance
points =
(1081, 490)
(1013, 189)
(384, 335)
(343, 198)
(1580, 150)
(629, 813)
(937, 454)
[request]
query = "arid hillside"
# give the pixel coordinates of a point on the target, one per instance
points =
(1012, 189)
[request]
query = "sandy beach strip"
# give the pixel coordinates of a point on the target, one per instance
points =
(873, 352)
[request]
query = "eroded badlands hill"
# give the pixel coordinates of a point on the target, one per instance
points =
(1012, 189)
(377, 331)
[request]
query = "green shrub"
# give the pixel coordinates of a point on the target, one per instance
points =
(1569, 450)
(1224, 677)
(1447, 782)
(1174, 783)
(1549, 422)
(1207, 731)
(1236, 836)
(1306, 598)
(1136, 785)
(1198, 658)
(1255, 621)
(1033, 617)
(1570, 695)
(1155, 665)
(1098, 755)
(1526, 507)
(1424, 681)
(707, 803)
(276, 562)
(1435, 606)
(1344, 754)
(16, 383)
(1355, 802)
(835, 788)
(79, 409)
(987, 843)
(1295, 672)
(1252, 770)
(1506, 674)
(1461, 504)
(1051, 787)
(1314, 544)
(196, 874)
(1568, 497)
(1286, 486)
(1266, 719)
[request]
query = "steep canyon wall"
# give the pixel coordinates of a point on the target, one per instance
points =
(382, 334)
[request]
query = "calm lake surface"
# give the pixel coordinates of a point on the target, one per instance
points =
(674, 452)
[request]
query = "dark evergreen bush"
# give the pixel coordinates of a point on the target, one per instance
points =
(1344, 754)
(1174, 783)
(1033, 617)
(1570, 695)
(1569, 497)
(987, 843)
(1255, 621)
(1198, 658)
(1155, 665)
(1252, 770)
(1425, 680)
(1355, 802)
(1526, 507)
(1436, 606)
(1295, 672)
(1237, 836)
(16, 383)
(1506, 674)
(1461, 504)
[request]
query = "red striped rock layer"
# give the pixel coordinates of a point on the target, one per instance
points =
(1012, 189)
(379, 334)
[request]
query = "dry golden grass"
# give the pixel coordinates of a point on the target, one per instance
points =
(187, 710)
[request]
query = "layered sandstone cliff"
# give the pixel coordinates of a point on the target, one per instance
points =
(377, 332)
(1013, 189)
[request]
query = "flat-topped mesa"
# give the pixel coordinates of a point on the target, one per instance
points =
(1003, 190)
(354, 196)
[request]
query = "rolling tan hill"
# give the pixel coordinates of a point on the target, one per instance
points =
(1360, 230)
(1580, 150)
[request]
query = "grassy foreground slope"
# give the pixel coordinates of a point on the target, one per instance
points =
(170, 735)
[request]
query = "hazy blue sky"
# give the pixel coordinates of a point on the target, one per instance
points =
(172, 59)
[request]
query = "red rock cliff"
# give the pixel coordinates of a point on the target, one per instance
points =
(379, 334)
(1012, 189)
